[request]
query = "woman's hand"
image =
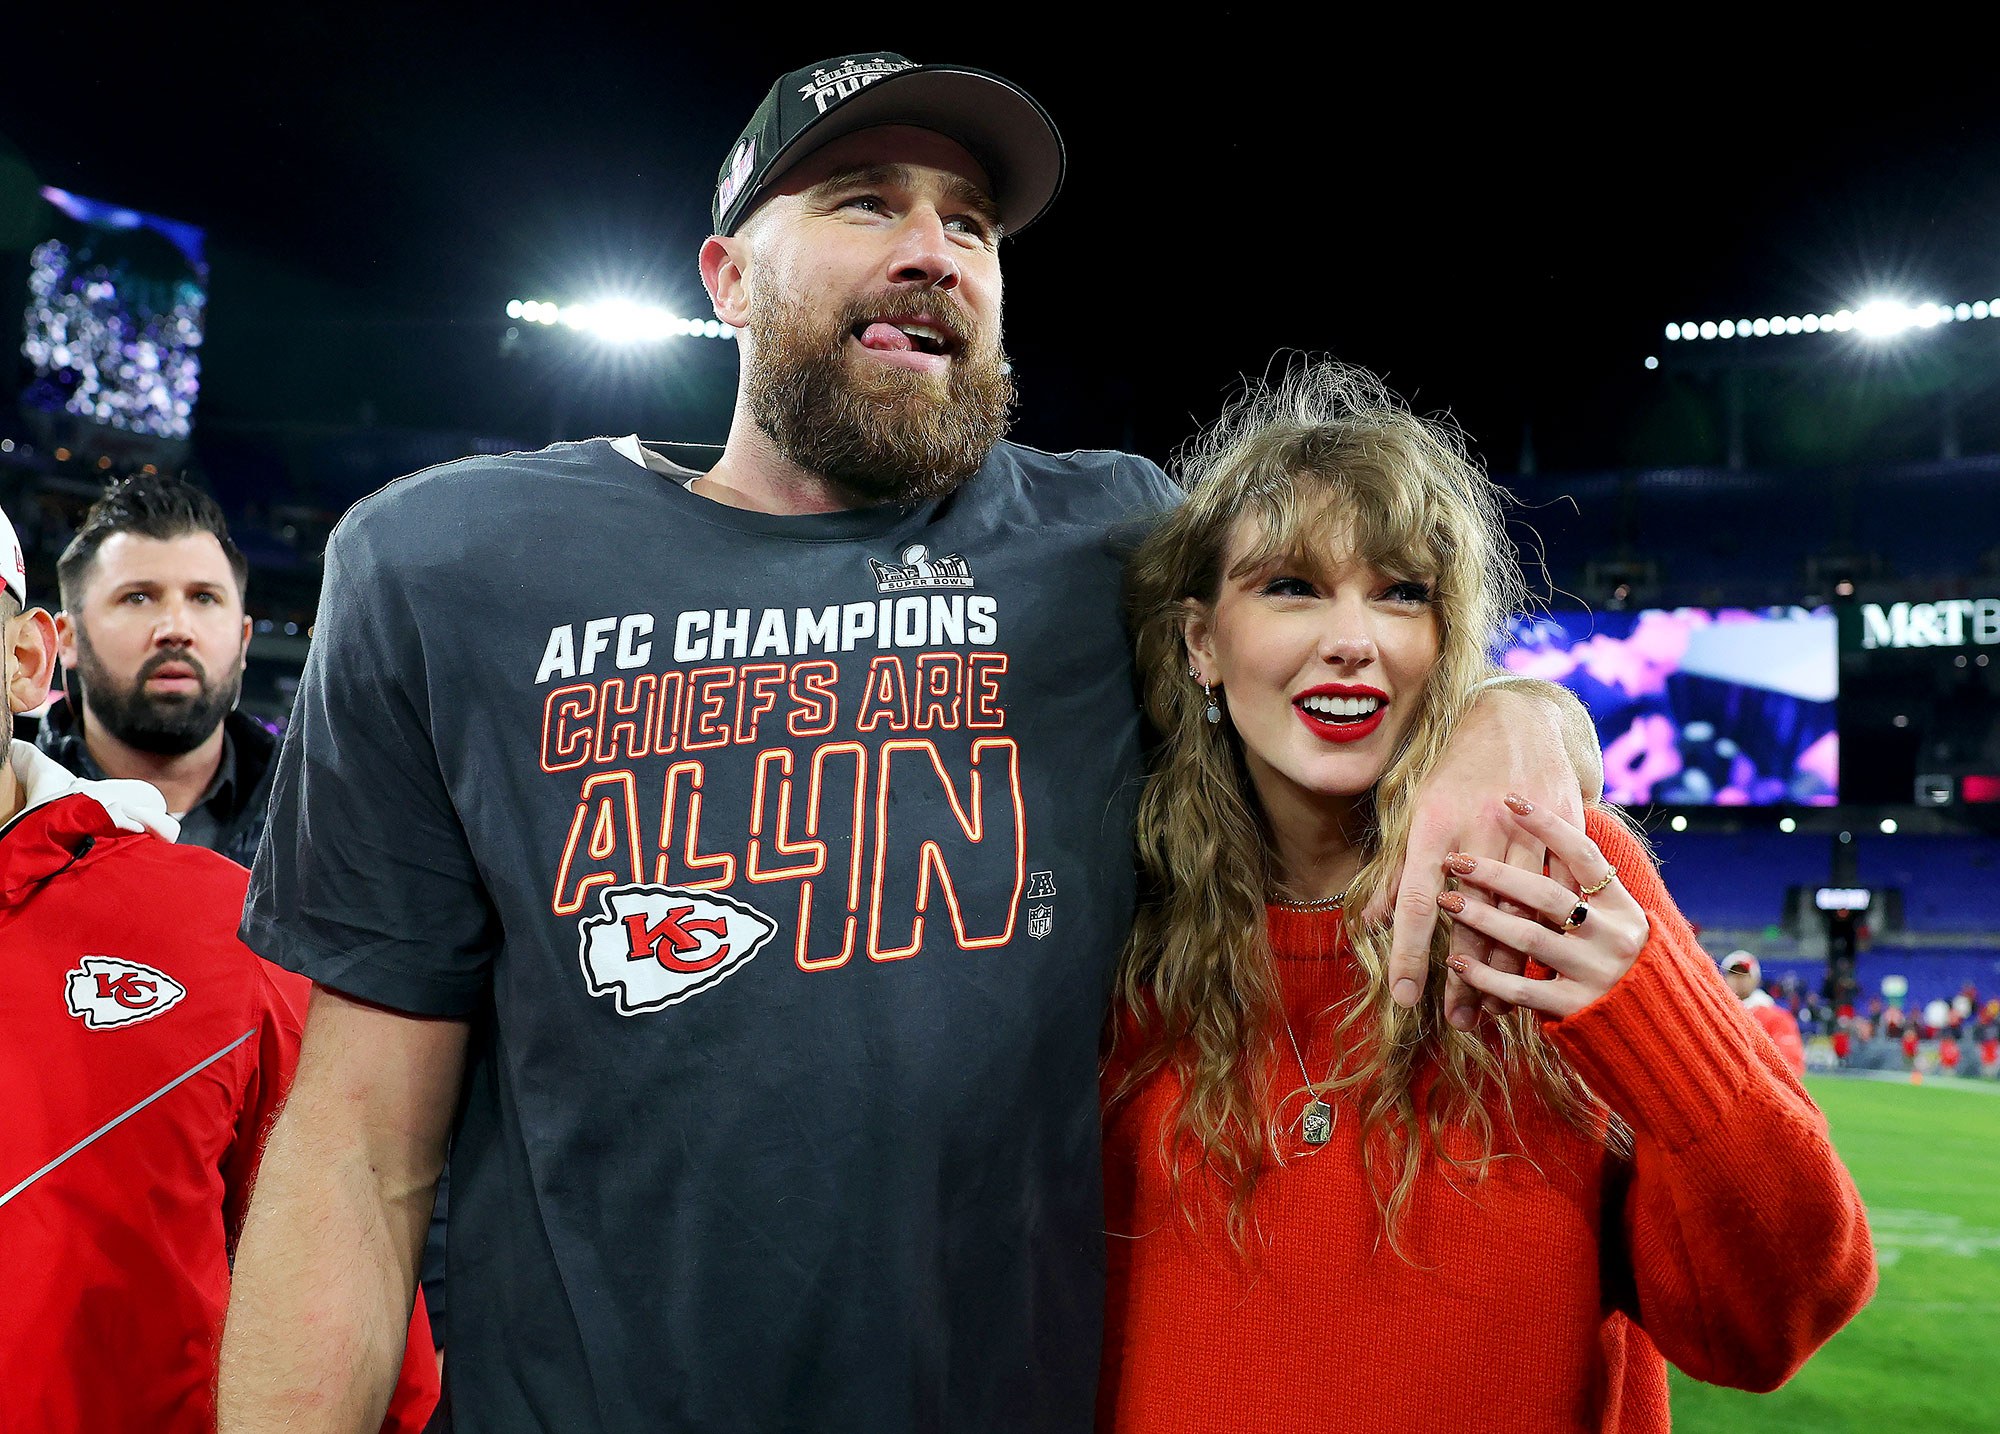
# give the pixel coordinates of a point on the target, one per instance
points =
(1509, 741)
(1588, 957)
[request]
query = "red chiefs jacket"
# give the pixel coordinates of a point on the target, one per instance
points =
(1781, 1026)
(143, 1054)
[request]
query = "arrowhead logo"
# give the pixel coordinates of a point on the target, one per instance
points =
(654, 946)
(107, 991)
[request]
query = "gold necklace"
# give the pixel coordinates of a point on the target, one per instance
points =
(1325, 903)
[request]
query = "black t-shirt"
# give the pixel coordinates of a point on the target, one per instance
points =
(781, 864)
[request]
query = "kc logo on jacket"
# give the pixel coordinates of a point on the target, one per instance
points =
(656, 945)
(106, 991)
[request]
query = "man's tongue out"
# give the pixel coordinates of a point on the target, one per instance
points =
(887, 337)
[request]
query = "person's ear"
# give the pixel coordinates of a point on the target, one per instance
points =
(66, 640)
(31, 659)
(1198, 633)
(725, 264)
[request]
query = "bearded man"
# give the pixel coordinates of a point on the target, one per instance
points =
(153, 639)
(741, 854)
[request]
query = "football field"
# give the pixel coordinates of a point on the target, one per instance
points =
(1925, 1355)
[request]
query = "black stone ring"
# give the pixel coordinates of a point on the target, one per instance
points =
(1576, 917)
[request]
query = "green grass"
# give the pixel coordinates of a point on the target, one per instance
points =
(1925, 1354)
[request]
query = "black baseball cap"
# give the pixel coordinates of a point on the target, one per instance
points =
(998, 123)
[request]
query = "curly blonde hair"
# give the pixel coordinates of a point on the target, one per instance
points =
(1327, 457)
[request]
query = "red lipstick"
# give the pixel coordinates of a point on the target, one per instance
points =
(1348, 730)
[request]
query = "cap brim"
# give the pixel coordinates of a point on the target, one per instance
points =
(999, 124)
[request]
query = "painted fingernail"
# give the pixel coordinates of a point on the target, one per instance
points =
(1459, 862)
(1405, 992)
(1451, 901)
(1520, 806)
(1457, 963)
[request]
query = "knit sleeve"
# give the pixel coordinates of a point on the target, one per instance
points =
(1744, 1242)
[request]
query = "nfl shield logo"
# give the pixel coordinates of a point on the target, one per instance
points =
(1040, 918)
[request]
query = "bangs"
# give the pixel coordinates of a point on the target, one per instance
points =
(1309, 519)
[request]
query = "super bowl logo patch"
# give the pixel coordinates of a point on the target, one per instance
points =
(920, 570)
(653, 946)
(107, 991)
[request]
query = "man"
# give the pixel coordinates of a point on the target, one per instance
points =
(1745, 977)
(146, 1051)
(744, 852)
(154, 638)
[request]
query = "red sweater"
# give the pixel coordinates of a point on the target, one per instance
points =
(1733, 1243)
(146, 1051)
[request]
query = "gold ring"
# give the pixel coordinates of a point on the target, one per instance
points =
(1577, 917)
(1609, 877)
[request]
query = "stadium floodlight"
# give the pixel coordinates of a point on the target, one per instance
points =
(1877, 319)
(1885, 318)
(617, 321)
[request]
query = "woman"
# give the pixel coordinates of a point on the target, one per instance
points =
(1326, 1211)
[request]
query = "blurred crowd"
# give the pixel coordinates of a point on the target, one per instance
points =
(1959, 1037)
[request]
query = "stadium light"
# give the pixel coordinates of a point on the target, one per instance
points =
(1888, 826)
(1679, 824)
(1877, 319)
(1786, 824)
(617, 321)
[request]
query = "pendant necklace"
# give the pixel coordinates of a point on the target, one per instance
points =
(1316, 1121)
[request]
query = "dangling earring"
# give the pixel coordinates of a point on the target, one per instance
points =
(1213, 711)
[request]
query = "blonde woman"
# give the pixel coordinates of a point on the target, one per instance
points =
(1327, 1211)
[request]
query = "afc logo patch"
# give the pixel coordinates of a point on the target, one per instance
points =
(653, 946)
(107, 991)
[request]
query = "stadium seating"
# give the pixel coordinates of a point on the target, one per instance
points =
(1736, 881)
(1748, 535)
(1917, 516)
(1949, 883)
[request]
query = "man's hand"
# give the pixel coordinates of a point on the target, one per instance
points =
(1526, 736)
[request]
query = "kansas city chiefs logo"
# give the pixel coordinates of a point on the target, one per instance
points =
(107, 991)
(656, 945)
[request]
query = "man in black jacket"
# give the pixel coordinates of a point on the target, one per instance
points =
(153, 639)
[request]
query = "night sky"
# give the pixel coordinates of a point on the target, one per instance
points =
(1498, 222)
